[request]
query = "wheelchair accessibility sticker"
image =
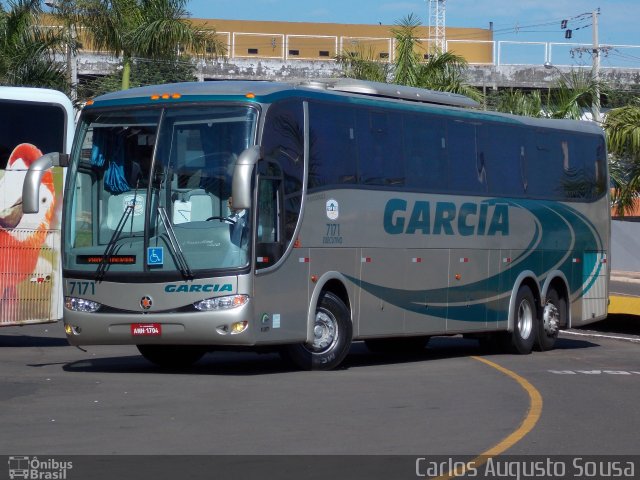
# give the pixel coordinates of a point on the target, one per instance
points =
(155, 256)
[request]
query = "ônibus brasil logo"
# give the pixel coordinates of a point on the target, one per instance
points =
(37, 469)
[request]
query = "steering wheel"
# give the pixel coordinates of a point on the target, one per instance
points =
(228, 220)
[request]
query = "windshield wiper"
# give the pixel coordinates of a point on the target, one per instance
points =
(181, 261)
(111, 246)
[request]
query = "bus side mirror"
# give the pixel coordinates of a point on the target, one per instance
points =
(241, 183)
(33, 179)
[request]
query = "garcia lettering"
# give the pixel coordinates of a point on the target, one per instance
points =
(445, 218)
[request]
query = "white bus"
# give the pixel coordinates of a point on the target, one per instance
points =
(33, 121)
(360, 211)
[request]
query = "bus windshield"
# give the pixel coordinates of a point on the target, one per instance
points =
(150, 191)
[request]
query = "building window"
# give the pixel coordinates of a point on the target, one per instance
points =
(324, 53)
(253, 51)
(294, 52)
(384, 55)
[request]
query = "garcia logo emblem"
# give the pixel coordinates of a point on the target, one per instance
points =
(146, 302)
(332, 209)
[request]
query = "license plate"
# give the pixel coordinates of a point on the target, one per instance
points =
(146, 329)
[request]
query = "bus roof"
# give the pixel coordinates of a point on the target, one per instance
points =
(263, 88)
(30, 94)
(190, 91)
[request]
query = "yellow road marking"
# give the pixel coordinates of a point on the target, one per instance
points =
(624, 304)
(529, 421)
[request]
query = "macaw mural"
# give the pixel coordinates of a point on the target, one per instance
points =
(28, 260)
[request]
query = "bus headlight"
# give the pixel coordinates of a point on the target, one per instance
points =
(221, 303)
(81, 305)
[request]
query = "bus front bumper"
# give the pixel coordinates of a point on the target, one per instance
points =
(228, 327)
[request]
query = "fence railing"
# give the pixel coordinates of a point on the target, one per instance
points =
(285, 47)
(477, 52)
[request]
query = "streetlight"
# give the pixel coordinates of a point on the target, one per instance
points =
(72, 66)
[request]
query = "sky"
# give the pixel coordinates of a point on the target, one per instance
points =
(513, 20)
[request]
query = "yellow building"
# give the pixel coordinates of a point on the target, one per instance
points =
(323, 41)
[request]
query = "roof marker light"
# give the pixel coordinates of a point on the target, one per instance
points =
(155, 96)
(250, 95)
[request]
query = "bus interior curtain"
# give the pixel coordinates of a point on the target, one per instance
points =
(107, 144)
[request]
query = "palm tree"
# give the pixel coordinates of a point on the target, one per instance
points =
(443, 71)
(360, 63)
(574, 94)
(27, 50)
(518, 102)
(151, 29)
(622, 126)
(571, 96)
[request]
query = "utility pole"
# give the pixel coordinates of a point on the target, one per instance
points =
(596, 67)
(63, 8)
(596, 52)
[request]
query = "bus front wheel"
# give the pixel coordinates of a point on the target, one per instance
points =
(332, 334)
(525, 322)
(172, 356)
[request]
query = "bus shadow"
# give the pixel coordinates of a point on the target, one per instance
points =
(227, 363)
(214, 363)
(23, 341)
(443, 348)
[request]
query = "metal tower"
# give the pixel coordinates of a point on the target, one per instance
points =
(437, 35)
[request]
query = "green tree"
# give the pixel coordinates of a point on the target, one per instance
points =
(152, 29)
(27, 50)
(145, 72)
(570, 97)
(622, 126)
(517, 102)
(361, 64)
(574, 94)
(443, 71)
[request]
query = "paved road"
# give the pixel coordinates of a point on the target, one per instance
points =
(59, 400)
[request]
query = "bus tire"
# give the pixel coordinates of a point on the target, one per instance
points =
(332, 337)
(554, 314)
(172, 356)
(525, 322)
(402, 345)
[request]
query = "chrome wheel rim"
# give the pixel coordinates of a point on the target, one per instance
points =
(525, 319)
(551, 319)
(325, 332)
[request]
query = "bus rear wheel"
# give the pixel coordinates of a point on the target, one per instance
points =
(172, 356)
(332, 337)
(554, 314)
(525, 322)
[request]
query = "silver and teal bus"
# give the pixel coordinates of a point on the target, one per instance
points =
(305, 216)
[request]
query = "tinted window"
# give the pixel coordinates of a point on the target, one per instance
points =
(504, 151)
(467, 166)
(380, 149)
(332, 145)
(424, 147)
(39, 124)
